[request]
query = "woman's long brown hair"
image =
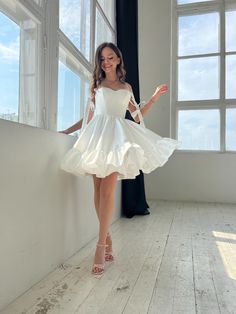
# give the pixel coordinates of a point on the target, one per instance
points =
(99, 74)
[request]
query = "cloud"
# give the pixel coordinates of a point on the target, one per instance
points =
(231, 129)
(230, 30)
(231, 76)
(198, 34)
(198, 78)
(10, 52)
(70, 19)
(199, 129)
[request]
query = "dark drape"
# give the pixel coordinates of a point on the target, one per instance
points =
(133, 192)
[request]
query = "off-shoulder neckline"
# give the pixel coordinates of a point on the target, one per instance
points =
(114, 90)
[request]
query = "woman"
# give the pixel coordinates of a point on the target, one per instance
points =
(111, 147)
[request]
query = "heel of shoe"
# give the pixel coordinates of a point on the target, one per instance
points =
(109, 257)
(98, 269)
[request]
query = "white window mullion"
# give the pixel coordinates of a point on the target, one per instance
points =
(174, 95)
(205, 55)
(51, 63)
(222, 78)
(92, 30)
(83, 26)
(198, 7)
(29, 72)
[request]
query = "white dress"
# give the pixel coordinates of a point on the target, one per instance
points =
(110, 143)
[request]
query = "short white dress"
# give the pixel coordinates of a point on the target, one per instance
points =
(110, 143)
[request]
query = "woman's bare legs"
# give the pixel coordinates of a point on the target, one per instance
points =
(97, 184)
(105, 211)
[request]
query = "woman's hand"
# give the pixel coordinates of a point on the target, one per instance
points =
(161, 89)
(64, 132)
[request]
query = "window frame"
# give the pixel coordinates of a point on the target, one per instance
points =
(34, 12)
(74, 52)
(50, 39)
(222, 104)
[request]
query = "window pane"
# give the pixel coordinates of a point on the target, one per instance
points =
(198, 78)
(75, 23)
(199, 129)
(103, 32)
(190, 1)
(9, 68)
(230, 20)
(108, 9)
(231, 129)
(73, 91)
(231, 76)
(68, 97)
(191, 34)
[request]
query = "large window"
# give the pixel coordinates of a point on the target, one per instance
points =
(9, 65)
(46, 58)
(204, 99)
(19, 61)
(84, 24)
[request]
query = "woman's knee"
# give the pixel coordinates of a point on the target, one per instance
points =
(107, 187)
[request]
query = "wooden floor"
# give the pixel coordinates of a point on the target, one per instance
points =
(181, 259)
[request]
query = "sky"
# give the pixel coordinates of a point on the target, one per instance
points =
(71, 25)
(198, 77)
(68, 89)
(9, 65)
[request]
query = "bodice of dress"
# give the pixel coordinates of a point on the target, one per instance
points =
(111, 102)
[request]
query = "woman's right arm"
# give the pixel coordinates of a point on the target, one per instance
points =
(78, 125)
(73, 128)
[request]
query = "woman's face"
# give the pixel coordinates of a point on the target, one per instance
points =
(109, 60)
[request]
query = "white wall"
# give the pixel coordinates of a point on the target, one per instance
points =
(187, 176)
(46, 215)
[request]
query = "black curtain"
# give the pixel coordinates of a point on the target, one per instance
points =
(133, 192)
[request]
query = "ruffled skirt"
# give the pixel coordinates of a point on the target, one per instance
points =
(112, 144)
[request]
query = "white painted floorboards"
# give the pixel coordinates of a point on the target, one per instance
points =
(181, 259)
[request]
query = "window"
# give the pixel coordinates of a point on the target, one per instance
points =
(103, 31)
(105, 22)
(230, 40)
(75, 22)
(9, 65)
(231, 129)
(19, 59)
(80, 34)
(46, 58)
(73, 91)
(205, 75)
(199, 129)
(108, 8)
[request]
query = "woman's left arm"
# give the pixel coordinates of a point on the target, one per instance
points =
(161, 89)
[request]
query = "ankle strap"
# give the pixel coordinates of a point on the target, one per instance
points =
(102, 244)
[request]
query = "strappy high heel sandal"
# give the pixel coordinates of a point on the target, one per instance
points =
(98, 269)
(109, 257)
